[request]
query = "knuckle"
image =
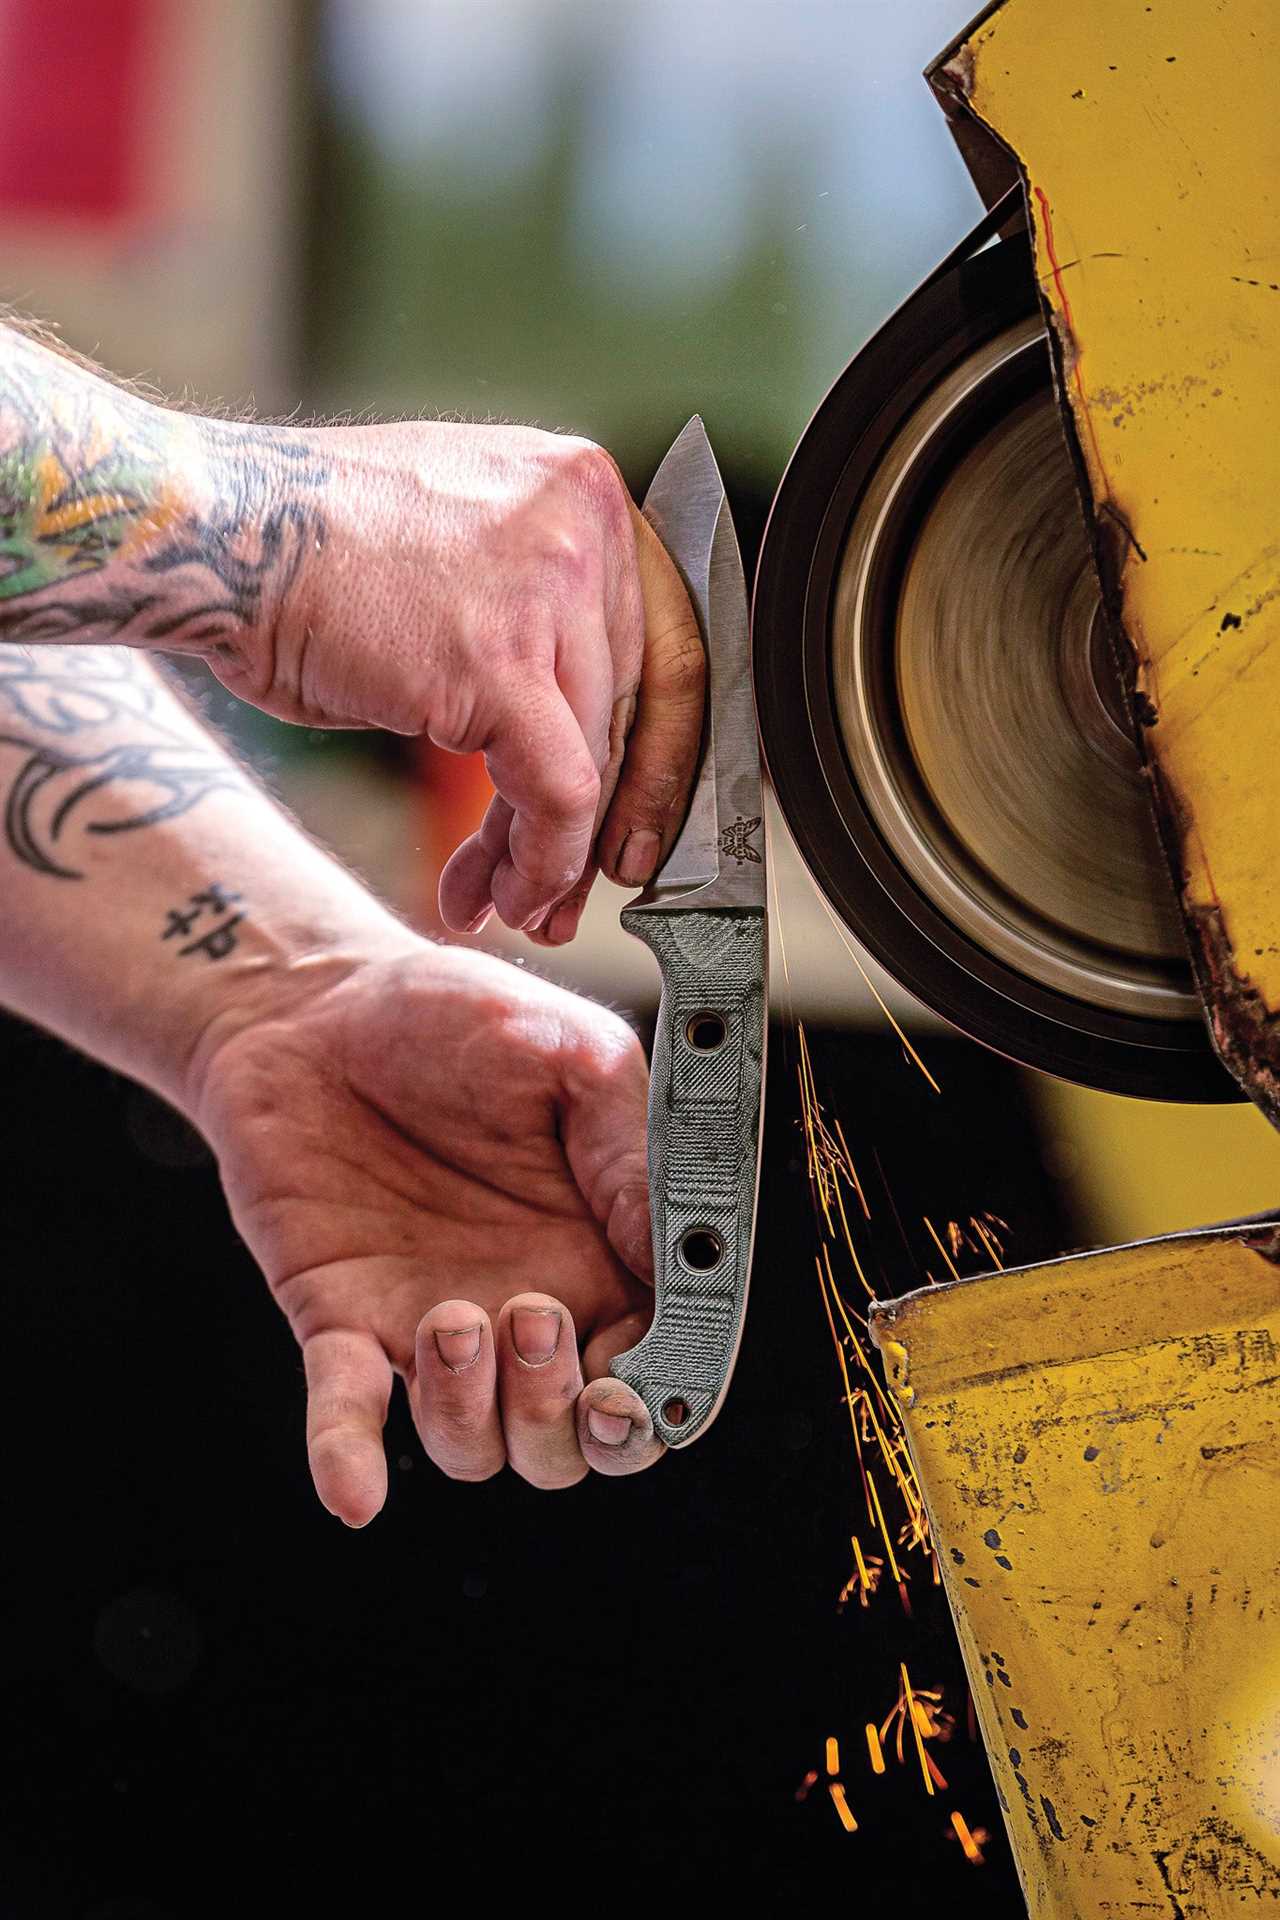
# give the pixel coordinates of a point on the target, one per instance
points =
(542, 1410)
(573, 792)
(336, 1452)
(595, 477)
(472, 1471)
(569, 565)
(604, 1039)
(680, 664)
(456, 723)
(460, 1405)
(651, 792)
(337, 1412)
(552, 1479)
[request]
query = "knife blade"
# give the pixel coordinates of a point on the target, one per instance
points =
(703, 915)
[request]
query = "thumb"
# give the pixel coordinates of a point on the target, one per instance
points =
(652, 793)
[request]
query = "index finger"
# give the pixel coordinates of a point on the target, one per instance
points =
(652, 793)
(541, 766)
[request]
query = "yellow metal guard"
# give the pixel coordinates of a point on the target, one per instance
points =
(1098, 1442)
(1148, 132)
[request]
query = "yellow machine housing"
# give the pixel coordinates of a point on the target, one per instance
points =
(1098, 1439)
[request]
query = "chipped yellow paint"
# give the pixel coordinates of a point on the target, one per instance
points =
(1098, 1441)
(1150, 139)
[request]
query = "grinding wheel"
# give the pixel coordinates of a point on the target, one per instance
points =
(942, 714)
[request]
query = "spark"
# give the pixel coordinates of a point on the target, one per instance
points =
(985, 1230)
(830, 1163)
(972, 1842)
(907, 1047)
(891, 1492)
(925, 1768)
(869, 1572)
(842, 1807)
(950, 1263)
(921, 1709)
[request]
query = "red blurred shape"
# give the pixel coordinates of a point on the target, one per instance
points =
(71, 105)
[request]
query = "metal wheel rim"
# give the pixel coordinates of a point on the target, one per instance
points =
(870, 652)
(827, 815)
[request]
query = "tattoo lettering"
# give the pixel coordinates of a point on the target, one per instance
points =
(120, 521)
(218, 941)
(103, 786)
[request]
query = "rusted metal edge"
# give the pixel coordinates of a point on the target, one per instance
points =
(1245, 1033)
(1259, 1231)
(992, 168)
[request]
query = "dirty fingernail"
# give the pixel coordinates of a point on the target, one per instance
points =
(535, 1334)
(639, 857)
(563, 922)
(458, 1347)
(610, 1429)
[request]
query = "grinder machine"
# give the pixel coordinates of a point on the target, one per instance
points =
(1017, 658)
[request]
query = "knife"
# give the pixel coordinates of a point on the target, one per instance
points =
(703, 915)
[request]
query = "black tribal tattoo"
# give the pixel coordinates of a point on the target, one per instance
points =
(55, 694)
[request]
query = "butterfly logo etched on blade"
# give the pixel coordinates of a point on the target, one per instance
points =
(735, 840)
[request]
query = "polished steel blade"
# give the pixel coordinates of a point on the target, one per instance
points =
(717, 859)
(683, 508)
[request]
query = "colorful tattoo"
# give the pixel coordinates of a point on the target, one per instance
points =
(54, 527)
(122, 521)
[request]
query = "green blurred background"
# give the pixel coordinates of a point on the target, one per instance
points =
(606, 217)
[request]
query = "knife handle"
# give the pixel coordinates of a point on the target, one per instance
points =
(705, 1093)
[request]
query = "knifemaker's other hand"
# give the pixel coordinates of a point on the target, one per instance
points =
(440, 1165)
(494, 588)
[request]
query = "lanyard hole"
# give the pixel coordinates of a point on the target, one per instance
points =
(704, 1032)
(701, 1249)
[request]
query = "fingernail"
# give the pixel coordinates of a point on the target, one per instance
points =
(610, 1429)
(481, 920)
(535, 1334)
(639, 857)
(458, 1347)
(563, 922)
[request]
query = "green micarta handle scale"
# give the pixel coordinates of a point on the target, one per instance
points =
(705, 1097)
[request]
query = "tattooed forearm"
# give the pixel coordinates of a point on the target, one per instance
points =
(53, 790)
(124, 521)
(66, 690)
(134, 763)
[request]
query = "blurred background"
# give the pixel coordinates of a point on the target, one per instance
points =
(600, 218)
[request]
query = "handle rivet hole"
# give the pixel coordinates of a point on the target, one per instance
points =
(675, 1412)
(701, 1249)
(704, 1032)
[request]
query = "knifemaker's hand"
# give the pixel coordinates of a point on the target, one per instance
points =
(439, 1163)
(494, 588)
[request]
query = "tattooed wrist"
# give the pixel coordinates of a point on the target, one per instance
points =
(122, 521)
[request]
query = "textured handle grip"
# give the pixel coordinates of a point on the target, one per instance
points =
(704, 1142)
